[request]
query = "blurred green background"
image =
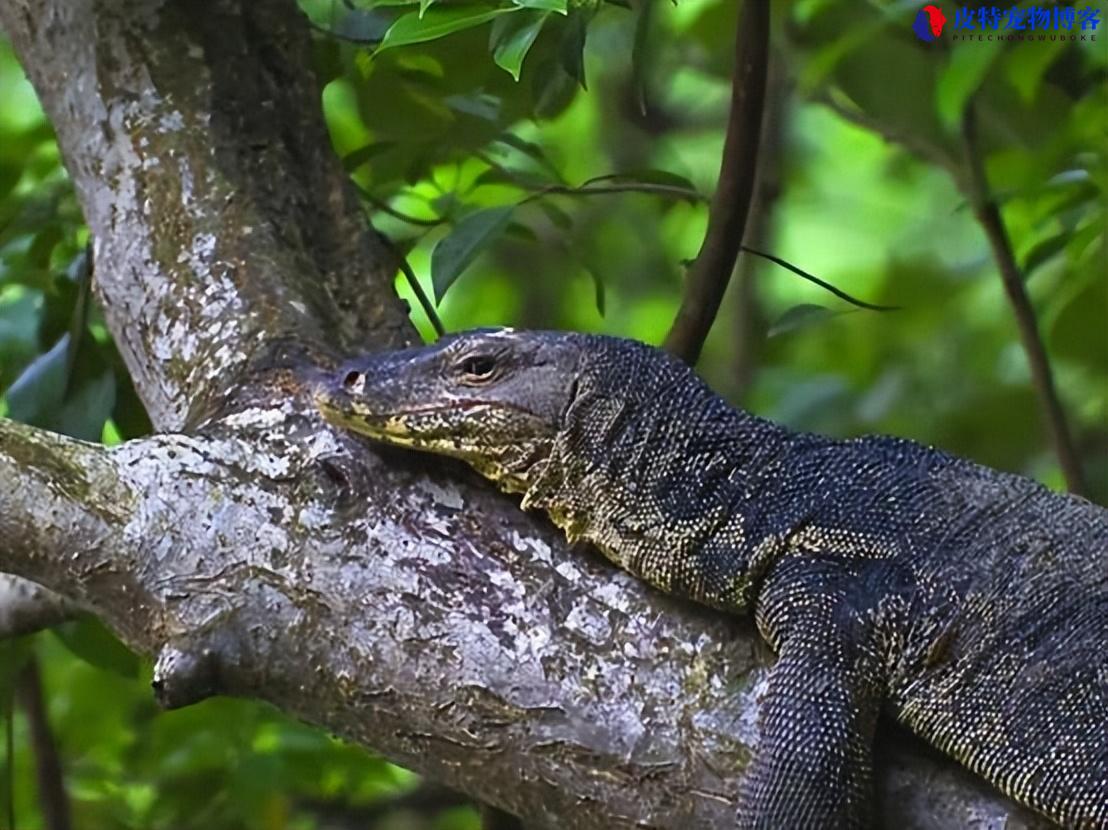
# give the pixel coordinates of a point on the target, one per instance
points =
(479, 176)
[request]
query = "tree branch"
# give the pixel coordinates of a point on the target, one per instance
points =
(26, 607)
(707, 277)
(987, 211)
(63, 507)
(52, 798)
(220, 134)
(750, 322)
(391, 600)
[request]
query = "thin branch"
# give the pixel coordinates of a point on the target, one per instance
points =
(9, 759)
(800, 272)
(26, 607)
(52, 798)
(63, 507)
(988, 214)
(421, 295)
(708, 276)
(750, 319)
(413, 283)
(385, 207)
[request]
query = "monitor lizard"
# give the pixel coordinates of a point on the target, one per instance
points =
(970, 603)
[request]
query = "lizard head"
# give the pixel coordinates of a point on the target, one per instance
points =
(493, 398)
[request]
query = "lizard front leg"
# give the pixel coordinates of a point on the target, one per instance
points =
(813, 765)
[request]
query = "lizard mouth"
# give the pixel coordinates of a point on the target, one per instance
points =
(408, 426)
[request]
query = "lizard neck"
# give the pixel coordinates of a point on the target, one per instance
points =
(663, 477)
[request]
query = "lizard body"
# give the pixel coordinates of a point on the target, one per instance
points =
(970, 603)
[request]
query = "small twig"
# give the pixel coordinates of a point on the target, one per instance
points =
(838, 292)
(26, 607)
(421, 295)
(751, 326)
(988, 215)
(424, 301)
(385, 207)
(9, 754)
(52, 797)
(708, 276)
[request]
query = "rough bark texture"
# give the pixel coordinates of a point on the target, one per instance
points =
(259, 553)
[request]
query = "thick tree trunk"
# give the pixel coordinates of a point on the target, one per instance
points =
(260, 553)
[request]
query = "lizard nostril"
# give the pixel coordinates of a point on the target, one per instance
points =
(352, 380)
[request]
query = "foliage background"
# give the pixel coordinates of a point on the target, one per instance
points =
(862, 183)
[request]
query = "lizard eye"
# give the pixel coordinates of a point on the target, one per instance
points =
(353, 382)
(478, 367)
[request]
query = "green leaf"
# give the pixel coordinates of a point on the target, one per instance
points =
(598, 289)
(355, 159)
(800, 316)
(415, 27)
(655, 177)
(1025, 68)
(518, 230)
(571, 51)
(560, 219)
(39, 390)
(88, 639)
(424, 5)
(479, 104)
(1043, 251)
(512, 38)
(545, 5)
(87, 409)
(639, 59)
(960, 79)
(532, 150)
(454, 253)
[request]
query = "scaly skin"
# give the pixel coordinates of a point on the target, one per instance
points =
(970, 603)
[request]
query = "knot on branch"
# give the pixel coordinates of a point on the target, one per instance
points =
(186, 674)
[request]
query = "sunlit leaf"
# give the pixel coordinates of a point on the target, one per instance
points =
(1024, 68)
(455, 252)
(438, 22)
(546, 5)
(960, 79)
